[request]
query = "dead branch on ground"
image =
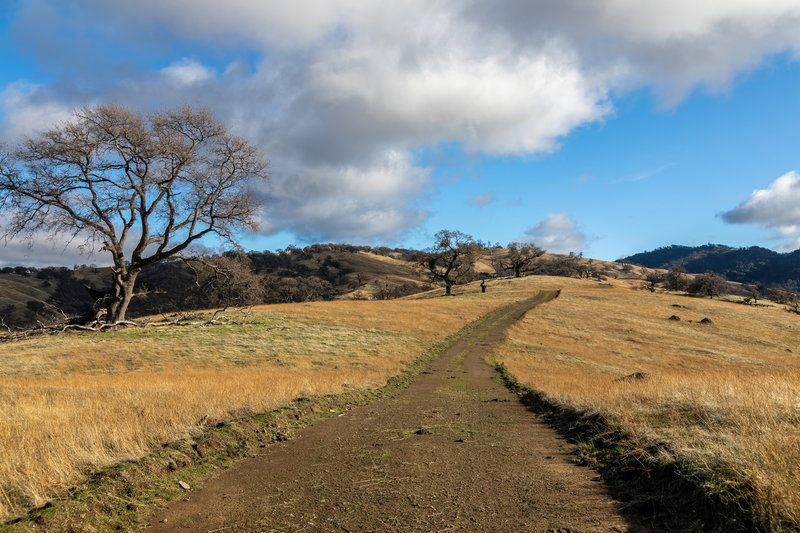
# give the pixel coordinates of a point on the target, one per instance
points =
(97, 326)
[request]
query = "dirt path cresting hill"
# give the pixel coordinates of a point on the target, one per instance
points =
(455, 451)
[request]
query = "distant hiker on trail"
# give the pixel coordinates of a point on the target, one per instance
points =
(483, 285)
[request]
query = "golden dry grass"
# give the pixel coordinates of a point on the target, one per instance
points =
(724, 398)
(75, 403)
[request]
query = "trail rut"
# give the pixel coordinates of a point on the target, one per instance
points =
(455, 451)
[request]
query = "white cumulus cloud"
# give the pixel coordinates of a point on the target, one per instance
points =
(340, 94)
(776, 207)
(29, 109)
(671, 45)
(351, 203)
(558, 233)
(187, 72)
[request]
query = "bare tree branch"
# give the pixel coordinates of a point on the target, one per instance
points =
(451, 258)
(520, 256)
(144, 187)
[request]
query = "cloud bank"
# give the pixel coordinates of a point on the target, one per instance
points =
(776, 207)
(44, 253)
(341, 94)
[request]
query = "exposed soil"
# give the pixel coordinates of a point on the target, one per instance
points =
(454, 451)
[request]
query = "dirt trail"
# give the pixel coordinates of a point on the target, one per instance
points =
(454, 451)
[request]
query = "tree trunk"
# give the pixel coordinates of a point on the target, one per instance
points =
(448, 286)
(123, 293)
(516, 272)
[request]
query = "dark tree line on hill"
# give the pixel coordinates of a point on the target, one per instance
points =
(708, 284)
(323, 271)
(714, 285)
(230, 279)
(754, 265)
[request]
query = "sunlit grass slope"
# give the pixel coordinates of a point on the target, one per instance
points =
(721, 398)
(74, 403)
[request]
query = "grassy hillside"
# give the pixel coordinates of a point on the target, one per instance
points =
(317, 272)
(31, 295)
(362, 274)
(75, 403)
(15, 293)
(721, 399)
(744, 265)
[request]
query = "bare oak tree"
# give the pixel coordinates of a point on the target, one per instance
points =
(652, 279)
(227, 280)
(753, 294)
(520, 256)
(451, 259)
(709, 283)
(142, 188)
(675, 279)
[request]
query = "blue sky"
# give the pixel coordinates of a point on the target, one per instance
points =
(606, 128)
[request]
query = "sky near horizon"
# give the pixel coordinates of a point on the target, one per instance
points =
(608, 127)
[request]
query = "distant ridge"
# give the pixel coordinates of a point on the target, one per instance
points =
(745, 265)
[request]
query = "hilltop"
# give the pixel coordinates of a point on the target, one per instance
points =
(316, 272)
(744, 265)
(29, 296)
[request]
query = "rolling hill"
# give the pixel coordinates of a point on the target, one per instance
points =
(713, 406)
(316, 272)
(744, 265)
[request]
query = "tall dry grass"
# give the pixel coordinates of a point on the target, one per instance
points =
(722, 398)
(72, 404)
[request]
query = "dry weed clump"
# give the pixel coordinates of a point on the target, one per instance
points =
(723, 399)
(74, 403)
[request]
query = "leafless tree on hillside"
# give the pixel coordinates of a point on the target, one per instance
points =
(710, 284)
(451, 259)
(142, 188)
(228, 280)
(675, 279)
(786, 297)
(520, 256)
(753, 294)
(652, 279)
(588, 269)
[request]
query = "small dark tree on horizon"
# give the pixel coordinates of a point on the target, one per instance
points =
(520, 256)
(142, 188)
(781, 296)
(753, 294)
(675, 279)
(451, 258)
(653, 278)
(710, 284)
